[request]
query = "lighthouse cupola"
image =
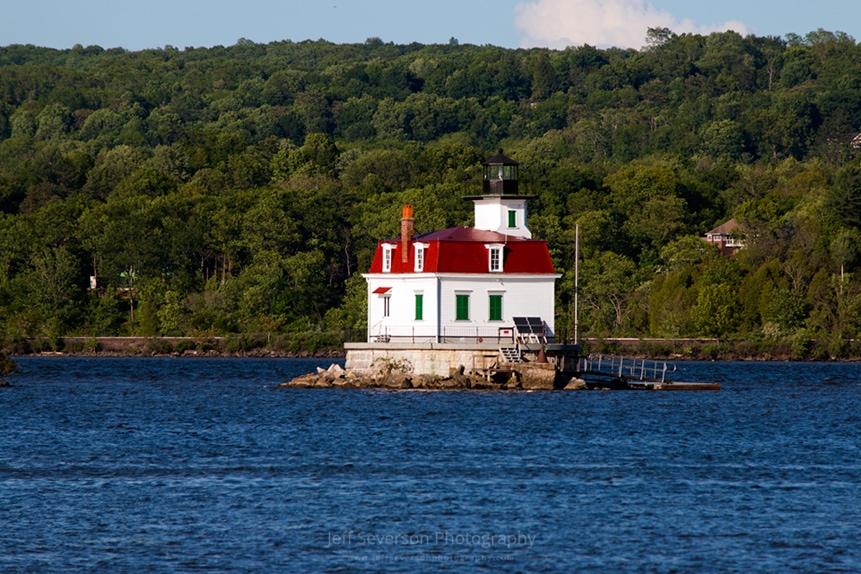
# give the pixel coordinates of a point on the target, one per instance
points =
(500, 176)
(500, 207)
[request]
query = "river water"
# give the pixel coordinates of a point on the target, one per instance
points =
(188, 465)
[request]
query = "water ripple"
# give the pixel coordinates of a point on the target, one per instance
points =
(181, 465)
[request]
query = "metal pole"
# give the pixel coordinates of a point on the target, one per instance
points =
(576, 283)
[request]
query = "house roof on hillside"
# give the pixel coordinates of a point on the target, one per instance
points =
(724, 228)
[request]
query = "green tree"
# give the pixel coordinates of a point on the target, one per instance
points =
(609, 281)
(49, 288)
(714, 314)
(543, 76)
(670, 304)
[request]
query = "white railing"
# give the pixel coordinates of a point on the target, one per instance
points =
(626, 367)
(413, 334)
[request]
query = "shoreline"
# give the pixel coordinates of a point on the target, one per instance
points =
(251, 346)
(238, 347)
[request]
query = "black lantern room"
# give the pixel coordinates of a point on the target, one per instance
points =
(500, 176)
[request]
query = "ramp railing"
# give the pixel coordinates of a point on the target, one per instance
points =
(626, 367)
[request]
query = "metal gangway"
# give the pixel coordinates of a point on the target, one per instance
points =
(626, 368)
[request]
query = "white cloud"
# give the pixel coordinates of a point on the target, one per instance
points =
(601, 23)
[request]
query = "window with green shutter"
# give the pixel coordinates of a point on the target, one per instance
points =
(462, 311)
(419, 307)
(512, 218)
(496, 307)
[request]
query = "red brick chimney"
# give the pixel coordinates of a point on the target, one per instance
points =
(407, 231)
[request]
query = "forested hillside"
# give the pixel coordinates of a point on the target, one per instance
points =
(243, 189)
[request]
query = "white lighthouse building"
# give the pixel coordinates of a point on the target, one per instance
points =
(479, 290)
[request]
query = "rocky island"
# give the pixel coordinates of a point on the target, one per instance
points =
(525, 377)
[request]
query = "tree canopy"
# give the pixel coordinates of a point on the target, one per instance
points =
(243, 188)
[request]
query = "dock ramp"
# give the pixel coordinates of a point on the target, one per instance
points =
(616, 372)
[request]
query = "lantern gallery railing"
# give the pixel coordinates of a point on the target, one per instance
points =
(472, 335)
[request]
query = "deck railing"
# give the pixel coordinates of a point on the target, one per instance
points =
(471, 335)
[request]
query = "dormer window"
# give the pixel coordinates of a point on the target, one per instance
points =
(387, 258)
(512, 218)
(421, 249)
(495, 258)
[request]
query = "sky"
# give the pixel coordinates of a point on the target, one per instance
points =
(508, 23)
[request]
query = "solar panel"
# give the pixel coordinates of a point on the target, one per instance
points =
(536, 325)
(530, 329)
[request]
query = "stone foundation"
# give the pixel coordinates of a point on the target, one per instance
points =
(525, 377)
(437, 366)
(425, 360)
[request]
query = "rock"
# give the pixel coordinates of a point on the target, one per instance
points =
(303, 382)
(295, 385)
(483, 385)
(459, 380)
(576, 384)
(5, 384)
(397, 381)
(425, 381)
(455, 371)
(538, 376)
(529, 377)
(512, 383)
(344, 384)
(320, 370)
(449, 384)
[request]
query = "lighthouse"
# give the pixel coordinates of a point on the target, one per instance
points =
(464, 293)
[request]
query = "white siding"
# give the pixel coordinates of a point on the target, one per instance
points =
(522, 296)
(491, 214)
(402, 303)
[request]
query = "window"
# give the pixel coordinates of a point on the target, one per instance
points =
(496, 307)
(420, 307)
(512, 218)
(387, 258)
(462, 307)
(420, 257)
(386, 306)
(494, 258)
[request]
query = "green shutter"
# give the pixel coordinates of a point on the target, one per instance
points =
(512, 219)
(462, 308)
(419, 307)
(496, 307)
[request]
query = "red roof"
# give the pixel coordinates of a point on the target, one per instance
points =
(462, 250)
(724, 228)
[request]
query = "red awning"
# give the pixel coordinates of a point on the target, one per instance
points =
(382, 290)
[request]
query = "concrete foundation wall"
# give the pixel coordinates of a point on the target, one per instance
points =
(442, 359)
(425, 361)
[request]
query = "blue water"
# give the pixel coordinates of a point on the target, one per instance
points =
(186, 465)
